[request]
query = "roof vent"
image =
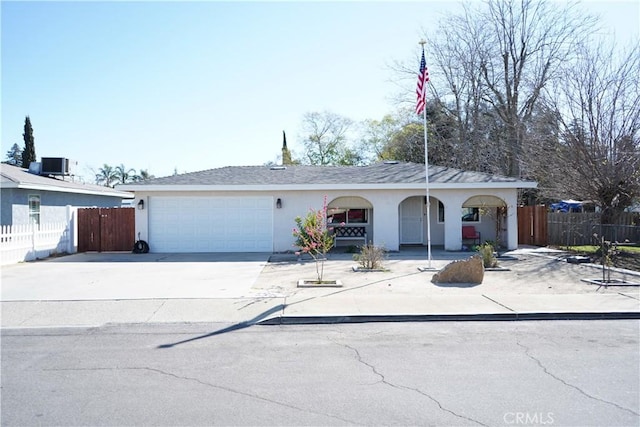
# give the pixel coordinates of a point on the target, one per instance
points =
(390, 162)
(278, 168)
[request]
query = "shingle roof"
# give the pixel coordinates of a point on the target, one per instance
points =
(16, 177)
(380, 173)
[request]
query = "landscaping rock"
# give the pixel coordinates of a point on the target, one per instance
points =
(461, 271)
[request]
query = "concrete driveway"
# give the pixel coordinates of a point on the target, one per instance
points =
(123, 276)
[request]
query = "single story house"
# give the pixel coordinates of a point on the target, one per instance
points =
(27, 197)
(252, 208)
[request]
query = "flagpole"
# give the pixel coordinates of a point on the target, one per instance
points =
(426, 170)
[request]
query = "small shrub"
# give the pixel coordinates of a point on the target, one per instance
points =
(492, 243)
(370, 256)
(488, 257)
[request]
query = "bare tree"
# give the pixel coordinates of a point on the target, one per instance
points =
(598, 105)
(325, 140)
(501, 55)
(376, 135)
(458, 60)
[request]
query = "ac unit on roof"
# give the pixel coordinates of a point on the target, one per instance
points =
(54, 166)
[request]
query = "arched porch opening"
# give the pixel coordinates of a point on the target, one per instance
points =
(488, 215)
(412, 214)
(352, 220)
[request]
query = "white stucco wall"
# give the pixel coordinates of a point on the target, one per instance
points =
(453, 201)
(384, 217)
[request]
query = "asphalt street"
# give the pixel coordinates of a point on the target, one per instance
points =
(561, 373)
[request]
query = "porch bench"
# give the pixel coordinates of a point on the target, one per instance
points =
(469, 233)
(349, 233)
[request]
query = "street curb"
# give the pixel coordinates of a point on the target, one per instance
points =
(321, 320)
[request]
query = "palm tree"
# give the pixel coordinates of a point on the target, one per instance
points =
(144, 175)
(106, 176)
(124, 175)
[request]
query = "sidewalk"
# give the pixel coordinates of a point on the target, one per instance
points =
(533, 285)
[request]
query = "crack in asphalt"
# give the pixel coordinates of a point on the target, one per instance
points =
(204, 383)
(578, 389)
(402, 387)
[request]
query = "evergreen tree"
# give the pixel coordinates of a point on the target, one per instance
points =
(29, 151)
(14, 155)
(286, 154)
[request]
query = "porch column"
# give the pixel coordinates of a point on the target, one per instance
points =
(512, 224)
(386, 225)
(452, 224)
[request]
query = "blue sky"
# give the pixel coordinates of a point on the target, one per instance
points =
(197, 85)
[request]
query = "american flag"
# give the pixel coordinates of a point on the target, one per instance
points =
(421, 89)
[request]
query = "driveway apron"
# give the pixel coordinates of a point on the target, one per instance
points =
(122, 276)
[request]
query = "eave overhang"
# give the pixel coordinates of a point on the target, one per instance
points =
(39, 187)
(330, 187)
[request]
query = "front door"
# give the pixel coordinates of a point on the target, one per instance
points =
(411, 218)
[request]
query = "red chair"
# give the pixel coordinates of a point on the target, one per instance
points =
(469, 233)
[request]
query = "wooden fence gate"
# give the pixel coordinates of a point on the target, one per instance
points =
(106, 229)
(532, 225)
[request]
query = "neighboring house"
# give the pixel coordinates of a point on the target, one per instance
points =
(27, 197)
(252, 208)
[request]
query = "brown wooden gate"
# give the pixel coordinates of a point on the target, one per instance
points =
(106, 229)
(532, 225)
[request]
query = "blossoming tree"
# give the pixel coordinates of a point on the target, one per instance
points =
(313, 237)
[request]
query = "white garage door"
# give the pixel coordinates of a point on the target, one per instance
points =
(211, 224)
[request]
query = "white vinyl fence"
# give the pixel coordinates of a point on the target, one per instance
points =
(31, 241)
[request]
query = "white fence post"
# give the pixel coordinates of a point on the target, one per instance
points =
(32, 255)
(71, 226)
